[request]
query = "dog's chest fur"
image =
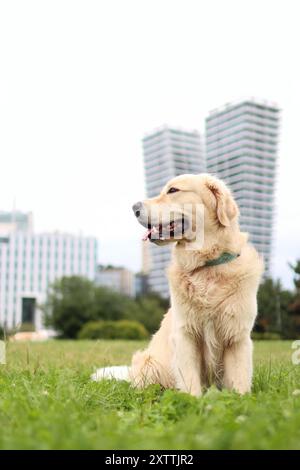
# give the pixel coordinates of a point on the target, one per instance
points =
(208, 315)
(207, 301)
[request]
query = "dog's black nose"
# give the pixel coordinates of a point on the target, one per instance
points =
(137, 208)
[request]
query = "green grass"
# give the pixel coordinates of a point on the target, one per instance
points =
(47, 401)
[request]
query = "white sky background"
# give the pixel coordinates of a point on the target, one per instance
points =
(82, 81)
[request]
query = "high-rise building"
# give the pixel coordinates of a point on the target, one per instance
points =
(119, 279)
(141, 284)
(241, 149)
(168, 152)
(30, 262)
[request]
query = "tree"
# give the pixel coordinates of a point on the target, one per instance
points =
(288, 327)
(294, 306)
(296, 269)
(70, 304)
(268, 302)
(73, 301)
(151, 310)
(273, 309)
(111, 305)
(273, 302)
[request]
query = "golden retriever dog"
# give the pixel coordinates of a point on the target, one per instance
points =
(204, 338)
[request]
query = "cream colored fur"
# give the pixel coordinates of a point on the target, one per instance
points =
(205, 336)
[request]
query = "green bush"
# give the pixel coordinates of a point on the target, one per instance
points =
(265, 335)
(121, 329)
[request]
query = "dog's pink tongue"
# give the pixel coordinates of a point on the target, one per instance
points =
(149, 231)
(145, 237)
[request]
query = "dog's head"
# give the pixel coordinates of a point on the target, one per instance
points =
(187, 204)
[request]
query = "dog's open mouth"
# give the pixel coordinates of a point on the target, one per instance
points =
(170, 231)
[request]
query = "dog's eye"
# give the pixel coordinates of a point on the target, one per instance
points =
(173, 190)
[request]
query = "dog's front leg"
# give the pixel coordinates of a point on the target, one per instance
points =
(186, 356)
(186, 364)
(238, 366)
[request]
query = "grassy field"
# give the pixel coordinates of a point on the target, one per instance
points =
(48, 402)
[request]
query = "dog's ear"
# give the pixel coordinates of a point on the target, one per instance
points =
(226, 208)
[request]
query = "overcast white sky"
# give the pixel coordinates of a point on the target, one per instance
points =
(82, 81)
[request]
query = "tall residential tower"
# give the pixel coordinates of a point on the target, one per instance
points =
(241, 149)
(168, 152)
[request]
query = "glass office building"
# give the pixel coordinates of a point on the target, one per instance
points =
(30, 262)
(241, 149)
(168, 152)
